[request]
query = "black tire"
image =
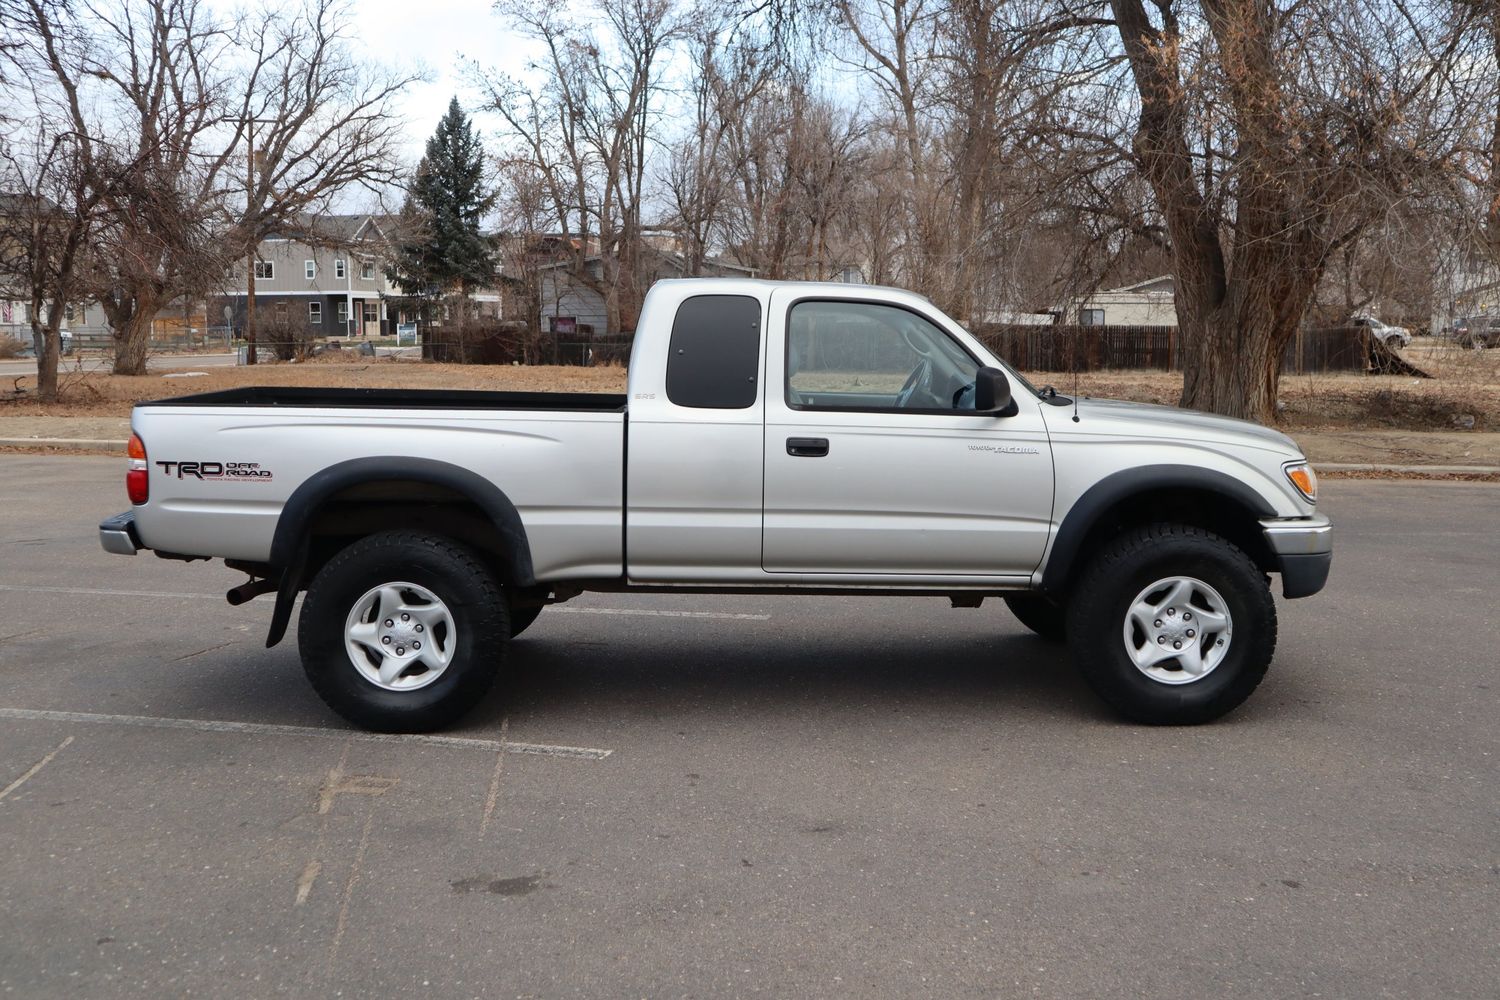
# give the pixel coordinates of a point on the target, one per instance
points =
(1046, 618)
(1098, 610)
(451, 572)
(521, 618)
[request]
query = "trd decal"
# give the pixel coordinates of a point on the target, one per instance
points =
(233, 471)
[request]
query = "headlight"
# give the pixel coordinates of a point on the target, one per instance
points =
(1304, 478)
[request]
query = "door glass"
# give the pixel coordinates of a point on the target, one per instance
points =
(868, 356)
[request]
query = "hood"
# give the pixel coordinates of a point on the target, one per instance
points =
(1115, 416)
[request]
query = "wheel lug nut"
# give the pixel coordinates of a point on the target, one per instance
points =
(1187, 616)
(406, 618)
(1158, 623)
(1171, 611)
(389, 623)
(386, 639)
(1191, 633)
(416, 645)
(1161, 639)
(419, 628)
(400, 650)
(1175, 645)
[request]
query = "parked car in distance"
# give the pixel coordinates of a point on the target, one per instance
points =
(1390, 336)
(1477, 332)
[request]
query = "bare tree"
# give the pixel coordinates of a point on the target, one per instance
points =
(1271, 139)
(588, 130)
(46, 216)
(162, 98)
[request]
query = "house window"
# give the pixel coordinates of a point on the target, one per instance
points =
(315, 313)
(343, 313)
(340, 268)
(310, 269)
(367, 270)
(1091, 317)
(265, 270)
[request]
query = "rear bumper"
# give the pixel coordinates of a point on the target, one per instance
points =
(118, 535)
(1304, 551)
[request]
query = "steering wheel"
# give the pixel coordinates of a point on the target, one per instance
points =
(920, 377)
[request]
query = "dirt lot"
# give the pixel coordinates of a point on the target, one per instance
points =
(1453, 418)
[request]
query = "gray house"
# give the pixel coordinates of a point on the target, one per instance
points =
(571, 307)
(324, 277)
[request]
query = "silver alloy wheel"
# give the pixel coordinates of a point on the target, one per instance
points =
(1177, 630)
(400, 636)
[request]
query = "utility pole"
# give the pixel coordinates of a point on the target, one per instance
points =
(250, 207)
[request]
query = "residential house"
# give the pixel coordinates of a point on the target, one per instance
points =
(323, 276)
(1466, 283)
(569, 306)
(1145, 303)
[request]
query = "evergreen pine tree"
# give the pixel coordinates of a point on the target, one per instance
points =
(446, 251)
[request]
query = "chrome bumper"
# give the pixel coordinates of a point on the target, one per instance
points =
(117, 534)
(1304, 549)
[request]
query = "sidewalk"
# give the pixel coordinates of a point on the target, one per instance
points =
(1400, 454)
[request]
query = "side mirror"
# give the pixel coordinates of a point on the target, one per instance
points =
(992, 392)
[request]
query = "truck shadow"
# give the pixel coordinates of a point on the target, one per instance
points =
(1010, 676)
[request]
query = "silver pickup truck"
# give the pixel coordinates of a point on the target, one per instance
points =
(776, 438)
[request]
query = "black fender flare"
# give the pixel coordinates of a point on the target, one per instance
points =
(1098, 499)
(289, 543)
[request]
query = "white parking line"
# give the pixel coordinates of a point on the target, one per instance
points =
(31, 771)
(723, 615)
(93, 592)
(563, 609)
(273, 729)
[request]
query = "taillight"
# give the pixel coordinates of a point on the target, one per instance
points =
(136, 484)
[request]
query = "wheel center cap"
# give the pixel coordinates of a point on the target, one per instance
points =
(403, 633)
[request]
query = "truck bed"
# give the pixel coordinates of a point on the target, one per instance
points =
(427, 399)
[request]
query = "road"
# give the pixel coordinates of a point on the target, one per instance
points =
(159, 362)
(801, 797)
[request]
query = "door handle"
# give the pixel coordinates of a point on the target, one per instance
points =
(807, 447)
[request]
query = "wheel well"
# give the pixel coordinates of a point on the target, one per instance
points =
(406, 505)
(1201, 508)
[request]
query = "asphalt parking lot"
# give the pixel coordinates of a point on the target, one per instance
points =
(747, 797)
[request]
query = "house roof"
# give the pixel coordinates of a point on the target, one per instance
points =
(671, 256)
(1162, 283)
(330, 228)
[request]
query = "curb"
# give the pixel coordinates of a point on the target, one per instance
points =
(82, 444)
(1409, 470)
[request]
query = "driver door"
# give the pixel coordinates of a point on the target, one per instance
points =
(873, 466)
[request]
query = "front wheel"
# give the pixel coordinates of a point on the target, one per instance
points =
(403, 631)
(1172, 625)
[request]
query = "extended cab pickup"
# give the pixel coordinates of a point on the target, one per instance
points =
(777, 437)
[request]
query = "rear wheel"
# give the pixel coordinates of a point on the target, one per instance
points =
(1172, 625)
(1044, 617)
(403, 631)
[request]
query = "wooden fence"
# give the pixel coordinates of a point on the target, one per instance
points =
(1095, 348)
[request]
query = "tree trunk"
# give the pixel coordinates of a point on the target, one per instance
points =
(48, 340)
(133, 340)
(1231, 349)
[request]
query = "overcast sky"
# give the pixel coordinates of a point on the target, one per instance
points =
(435, 34)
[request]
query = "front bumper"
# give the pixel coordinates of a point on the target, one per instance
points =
(1303, 547)
(118, 535)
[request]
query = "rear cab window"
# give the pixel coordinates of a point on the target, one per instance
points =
(714, 355)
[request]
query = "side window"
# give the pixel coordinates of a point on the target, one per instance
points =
(870, 356)
(715, 352)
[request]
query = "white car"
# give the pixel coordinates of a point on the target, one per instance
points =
(1393, 337)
